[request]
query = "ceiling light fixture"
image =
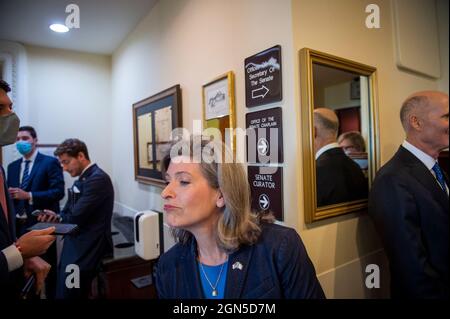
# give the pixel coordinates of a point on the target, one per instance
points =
(60, 28)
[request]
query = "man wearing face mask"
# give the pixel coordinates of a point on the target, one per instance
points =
(15, 253)
(35, 182)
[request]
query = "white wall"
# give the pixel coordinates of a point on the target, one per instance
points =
(190, 43)
(443, 25)
(69, 96)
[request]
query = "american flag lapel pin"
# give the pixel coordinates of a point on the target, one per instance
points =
(237, 265)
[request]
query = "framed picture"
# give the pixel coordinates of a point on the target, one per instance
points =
(154, 119)
(219, 110)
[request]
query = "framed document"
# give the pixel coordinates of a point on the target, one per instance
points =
(219, 109)
(154, 119)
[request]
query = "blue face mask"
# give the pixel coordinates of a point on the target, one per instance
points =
(24, 147)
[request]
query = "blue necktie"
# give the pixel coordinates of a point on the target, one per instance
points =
(439, 176)
(26, 175)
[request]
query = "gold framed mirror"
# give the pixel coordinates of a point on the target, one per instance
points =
(339, 118)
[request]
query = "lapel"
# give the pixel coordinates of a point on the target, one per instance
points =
(35, 168)
(86, 174)
(240, 261)
(10, 227)
(421, 173)
(14, 178)
(193, 281)
(235, 277)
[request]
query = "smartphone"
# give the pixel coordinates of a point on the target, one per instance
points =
(37, 212)
(60, 229)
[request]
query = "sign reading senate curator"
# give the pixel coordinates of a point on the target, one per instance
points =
(263, 77)
(267, 190)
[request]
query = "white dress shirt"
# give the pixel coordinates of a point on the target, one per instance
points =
(325, 148)
(426, 159)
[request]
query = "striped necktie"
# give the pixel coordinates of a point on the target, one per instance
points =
(439, 176)
(3, 195)
(26, 175)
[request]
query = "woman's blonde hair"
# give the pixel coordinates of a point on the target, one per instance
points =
(237, 225)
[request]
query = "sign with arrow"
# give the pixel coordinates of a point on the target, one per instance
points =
(266, 190)
(263, 77)
(266, 144)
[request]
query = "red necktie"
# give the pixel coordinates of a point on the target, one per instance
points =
(3, 195)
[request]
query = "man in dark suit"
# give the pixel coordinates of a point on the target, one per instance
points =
(15, 253)
(35, 182)
(90, 206)
(409, 201)
(339, 179)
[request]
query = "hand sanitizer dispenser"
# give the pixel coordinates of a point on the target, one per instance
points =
(146, 235)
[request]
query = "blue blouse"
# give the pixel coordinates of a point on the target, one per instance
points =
(213, 273)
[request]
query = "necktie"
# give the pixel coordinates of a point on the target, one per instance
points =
(26, 175)
(3, 195)
(439, 176)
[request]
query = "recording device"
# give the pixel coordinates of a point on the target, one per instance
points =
(60, 229)
(146, 235)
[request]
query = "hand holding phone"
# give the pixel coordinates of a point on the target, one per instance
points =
(60, 229)
(47, 216)
(37, 212)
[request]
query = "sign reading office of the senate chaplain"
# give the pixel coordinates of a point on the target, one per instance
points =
(265, 142)
(266, 185)
(263, 77)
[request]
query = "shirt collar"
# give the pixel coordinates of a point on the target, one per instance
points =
(426, 159)
(31, 159)
(86, 168)
(325, 148)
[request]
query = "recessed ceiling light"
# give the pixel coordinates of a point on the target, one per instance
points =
(60, 28)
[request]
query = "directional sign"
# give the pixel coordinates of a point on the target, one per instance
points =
(266, 145)
(263, 146)
(267, 189)
(263, 77)
(264, 201)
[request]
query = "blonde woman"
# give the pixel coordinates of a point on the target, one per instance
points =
(223, 250)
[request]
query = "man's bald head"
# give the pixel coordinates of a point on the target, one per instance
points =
(417, 105)
(326, 123)
(424, 116)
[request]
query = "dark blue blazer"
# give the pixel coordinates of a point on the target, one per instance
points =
(8, 280)
(277, 266)
(91, 209)
(410, 212)
(46, 183)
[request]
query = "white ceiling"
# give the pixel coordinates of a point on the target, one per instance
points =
(104, 24)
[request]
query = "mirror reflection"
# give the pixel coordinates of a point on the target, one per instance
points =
(339, 133)
(339, 129)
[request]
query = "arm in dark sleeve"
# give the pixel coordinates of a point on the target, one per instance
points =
(55, 191)
(296, 270)
(4, 272)
(95, 190)
(395, 213)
